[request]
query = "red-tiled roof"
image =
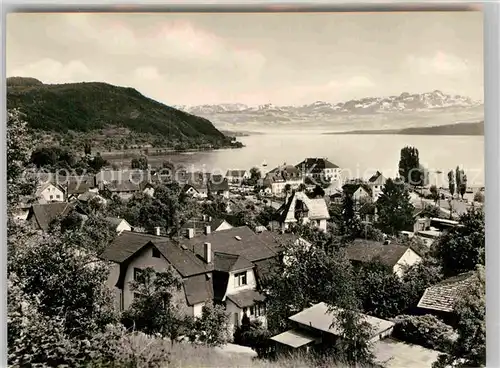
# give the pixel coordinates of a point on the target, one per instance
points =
(246, 298)
(198, 289)
(362, 250)
(229, 262)
(44, 214)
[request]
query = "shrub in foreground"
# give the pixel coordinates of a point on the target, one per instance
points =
(427, 331)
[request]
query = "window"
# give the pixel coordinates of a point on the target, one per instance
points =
(51, 197)
(137, 274)
(251, 311)
(156, 253)
(240, 279)
(58, 196)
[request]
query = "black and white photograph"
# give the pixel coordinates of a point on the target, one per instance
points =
(246, 189)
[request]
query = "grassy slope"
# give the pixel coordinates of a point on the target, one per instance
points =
(91, 106)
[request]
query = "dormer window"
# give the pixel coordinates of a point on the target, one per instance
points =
(240, 279)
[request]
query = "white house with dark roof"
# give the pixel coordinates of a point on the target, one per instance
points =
(119, 224)
(299, 208)
(395, 256)
(376, 182)
(48, 193)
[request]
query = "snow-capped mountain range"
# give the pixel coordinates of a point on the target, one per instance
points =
(404, 102)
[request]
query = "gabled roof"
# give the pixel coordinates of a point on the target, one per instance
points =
(124, 186)
(241, 241)
(44, 186)
(216, 185)
(283, 173)
(377, 179)
(316, 208)
(316, 165)
(115, 221)
(225, 262)
(77, 188)
(44, 214)
(365, 251)
(236, 173)
(246, 298)
(350, 189)
(128, 243)
(87, 196)
(319, 317)
(444, 295)
(198, 289)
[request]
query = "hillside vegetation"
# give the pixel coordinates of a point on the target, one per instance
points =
(90, 107)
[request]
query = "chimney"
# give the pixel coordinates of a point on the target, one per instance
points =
(207, 248)
(157, 231)
(208, 229)
(190, 233)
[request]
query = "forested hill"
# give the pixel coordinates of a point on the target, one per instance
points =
(86, 107)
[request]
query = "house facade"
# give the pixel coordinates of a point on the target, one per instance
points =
(299, 208)
(119, 224)
(237, 176)
(277, 180)
(220, 266)
(376, 182)
(48, 193)
(395, 256)
(320, 168)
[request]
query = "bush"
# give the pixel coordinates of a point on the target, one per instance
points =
(427, 331)
(479, 197)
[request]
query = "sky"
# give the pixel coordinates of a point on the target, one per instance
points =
(253, 58)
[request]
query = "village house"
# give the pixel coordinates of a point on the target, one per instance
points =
(106, 177)
(48, 192)
(320, 170)
(40, 216)
(299, 208)
(237, 176)
(75, 189)
(218, 186)
(376, 182)
(395, 256)
(440, 299)
(132, 252)
(123, 189)
(196, 190)
(222, 266)
(119, 224)
(319, 328)
(277, 180)
(89, 196)
(358, 192)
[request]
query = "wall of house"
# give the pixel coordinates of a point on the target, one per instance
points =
(124, 225)
(235, 314)
(251, 282)
(277, 188)
(360, 193)
(409, 258)
(145, 259)
(52, 194)
(149, 191)
(197, 309)
(224, 226)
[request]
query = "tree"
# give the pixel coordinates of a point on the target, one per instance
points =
(157, 306)
(458, 179)
(19, 141)
(255, 175)
(469, 349)
(463, 247)
(395, 211)
(318, 191)
(451, 182)
(351, 225)
(213, 325)
(434, 193)
(302, 187)
(462, 189)
(479, 197)
(140, 163)
(87, 148)
(409, 166)
(287, 189)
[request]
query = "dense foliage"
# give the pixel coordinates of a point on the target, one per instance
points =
(409, 166)
(427, 331)
(395, 211)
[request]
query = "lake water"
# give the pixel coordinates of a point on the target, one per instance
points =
(357, 155)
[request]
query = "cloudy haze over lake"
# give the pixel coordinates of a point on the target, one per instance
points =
(285, 59)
